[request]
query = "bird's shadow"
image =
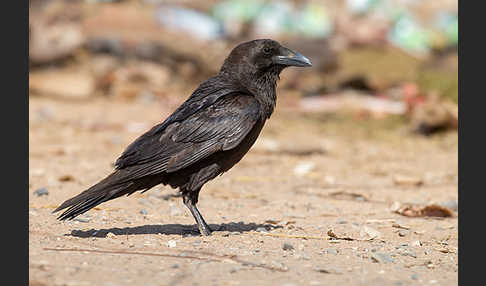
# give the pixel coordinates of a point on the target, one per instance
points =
(168, 229)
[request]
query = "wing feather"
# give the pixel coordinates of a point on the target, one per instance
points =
(218, 127)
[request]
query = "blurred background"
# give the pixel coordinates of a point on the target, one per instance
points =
(372, 58)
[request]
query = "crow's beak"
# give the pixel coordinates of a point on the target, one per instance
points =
(290, 58)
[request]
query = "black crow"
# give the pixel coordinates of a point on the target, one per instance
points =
(204, 137)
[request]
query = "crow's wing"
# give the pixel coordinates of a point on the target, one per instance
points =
(204, 96)
(217, 127)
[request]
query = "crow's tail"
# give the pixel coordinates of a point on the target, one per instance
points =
(107, 189)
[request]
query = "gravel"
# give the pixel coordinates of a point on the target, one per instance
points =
(41, 192)
(261, 229)
(332, 251)
(381, 257)
(287, 246)
(403, 232)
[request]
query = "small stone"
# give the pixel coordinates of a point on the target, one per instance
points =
(369, 232)
(82, 219)
(171, 243)
(261, 229)
(143, 211)
(403, 232)
(416, 243)
(41, 192)
(380, 257)
(328, 270)
(196, 242)
(303, 168)
(287, 246)
(409, 253)
(341, 221)
(332, 251)
(110, 235)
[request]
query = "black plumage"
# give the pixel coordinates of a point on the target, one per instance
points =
(206, 136)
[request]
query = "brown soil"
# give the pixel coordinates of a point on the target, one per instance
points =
(303, 178)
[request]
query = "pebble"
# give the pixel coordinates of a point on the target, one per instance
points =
(332, 251)
(82, 219)
(303, 168)
(416, 243)
(403, 232)
(171, 243)
(41, 192)
(328, 270)
(380, 257)
(261, 229)
(409, 253)
(143, 211)
(110, 235)
(287, 246)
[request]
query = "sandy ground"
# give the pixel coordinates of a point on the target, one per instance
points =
(273, 210)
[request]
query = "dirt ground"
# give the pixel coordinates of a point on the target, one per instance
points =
(274, 212)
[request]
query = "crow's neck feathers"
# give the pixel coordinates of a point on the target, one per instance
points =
(261, 85)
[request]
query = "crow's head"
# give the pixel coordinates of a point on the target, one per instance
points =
(256, 66)
(258, 57)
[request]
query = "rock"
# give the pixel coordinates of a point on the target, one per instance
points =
(369, 232)
(401, 180)
(403, 232)
(416, 243)
(143, 211)
(261, 229)
(110, 235)
(303, 168)
(41, 192)
(409, 253)
(380, 257)
(328, 270)
(171, 243)
(287, 246)
(332, 251)
(82, 219)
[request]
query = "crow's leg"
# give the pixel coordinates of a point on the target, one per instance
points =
(190, 200)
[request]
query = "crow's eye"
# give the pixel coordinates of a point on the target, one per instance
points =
(267, 50)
